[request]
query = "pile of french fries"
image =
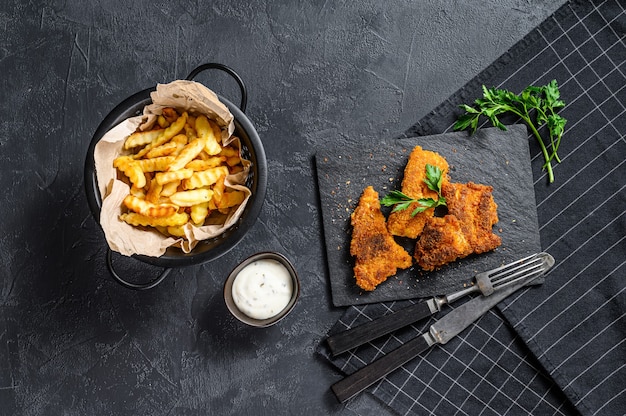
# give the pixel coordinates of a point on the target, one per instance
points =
(176, 172)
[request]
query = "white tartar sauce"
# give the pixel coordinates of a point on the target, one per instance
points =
(262, 289)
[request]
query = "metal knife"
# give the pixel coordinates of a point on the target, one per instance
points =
(440, 332)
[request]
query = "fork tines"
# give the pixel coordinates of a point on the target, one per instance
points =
(521, 269)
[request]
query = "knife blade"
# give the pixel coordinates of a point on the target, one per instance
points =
(439, 333)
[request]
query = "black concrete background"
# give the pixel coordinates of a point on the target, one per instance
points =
(74, 342)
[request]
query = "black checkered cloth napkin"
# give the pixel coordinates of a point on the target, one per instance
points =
(558, 349)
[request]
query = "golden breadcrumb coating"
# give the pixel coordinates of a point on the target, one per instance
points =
(476, 210)
(464, 231)
(401, 223)
(441, 242)
(378, 256)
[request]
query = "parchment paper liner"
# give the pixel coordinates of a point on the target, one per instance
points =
(126, 239)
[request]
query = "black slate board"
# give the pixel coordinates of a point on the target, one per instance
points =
(493, 157)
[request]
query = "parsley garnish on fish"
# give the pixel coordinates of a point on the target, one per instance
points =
(401, 201)
(545, 100)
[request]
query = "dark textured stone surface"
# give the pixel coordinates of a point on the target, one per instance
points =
(492, 157)
(318, 73)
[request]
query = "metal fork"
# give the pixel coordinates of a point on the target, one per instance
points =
(485, 282)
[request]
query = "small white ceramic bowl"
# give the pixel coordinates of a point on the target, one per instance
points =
(239, 314)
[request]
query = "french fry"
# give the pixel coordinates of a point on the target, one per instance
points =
(165, 149)
(186, 155)
(170, 188)
(171, 131)
(141, 138)
(229, 151)
(205, 178)
(156, 164)
(203, 155)
(199, 212)
(190, 132)
(136, 219)
(235, 169)
(230, 199)
(169, 114)
(233, 161)
(172, 176)
(204, 164)
(148, 209)
(181, 141)
(217, 133)
(211, 133)
(176, 230)
(191, 121)
(218, 190)
(131, 169)
(162, 121)
(154, 192)
(190, 198)
(138, 192)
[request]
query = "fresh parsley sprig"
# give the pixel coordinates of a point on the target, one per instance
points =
(401, 201)
(545, 100)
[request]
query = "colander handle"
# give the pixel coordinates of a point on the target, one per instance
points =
(229, 71)
(131, 285)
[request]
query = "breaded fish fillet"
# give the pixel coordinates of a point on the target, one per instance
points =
(476, 210)
(464, 231)
(441, 242)
(401, 223)
(378, 256)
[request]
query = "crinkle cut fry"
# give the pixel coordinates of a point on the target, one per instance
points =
(147, 208)
(136, 219)
(168, 133)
